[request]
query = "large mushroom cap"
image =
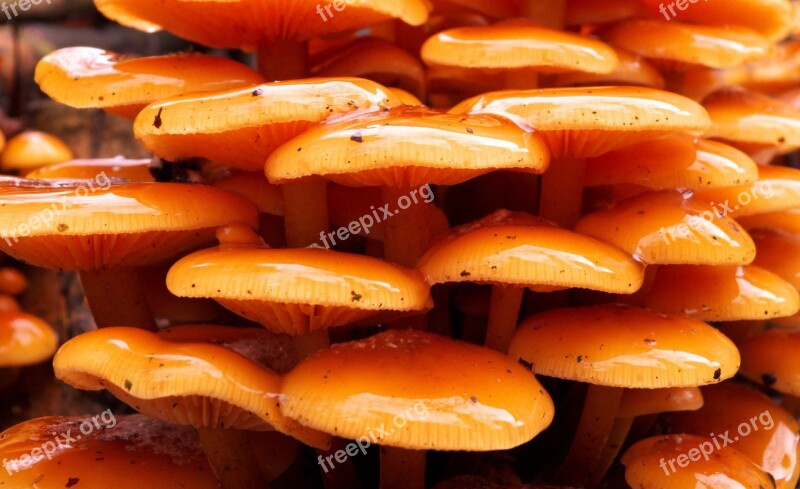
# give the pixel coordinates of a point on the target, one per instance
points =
(777, 189)
(84, 77)
(430, 392)
(623, 346)
(25, 339)
(117, 168)
(181, 379)
(770, 358)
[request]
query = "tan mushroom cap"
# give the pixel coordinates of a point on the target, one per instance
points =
(777, 189)
(773, 447)
(184, 379)
(30, 150)
(84, 77)
(80, 225)
(241, 127)
(245, 24)
(517, 45)
(679, 47)
(508, 253)
(722, 293)
(643, 402)
(431, 392)
(589, 121)
(408, 147)
(673, 161)
(297, 291)
(631, 69)
(129, 452)
(25, 339)
(770, 358)
(623, 346)
(669, 228)
(119, 167)
(725, 467)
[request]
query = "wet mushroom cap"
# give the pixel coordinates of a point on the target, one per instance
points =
(93, 78)
(25, 339)
(752, 117)
(631, 69)
(153, 453)
(408, 147)
(643, 402)
(80, 225)
(181, 379)
(430, 392)
(622, 346)
(770, 358)
(121, 168)
(241, 127)
(30, 150)
(777, 189)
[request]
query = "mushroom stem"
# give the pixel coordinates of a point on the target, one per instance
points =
(562, 191)
(521, 79)
(308, 344)
(503, 316)
(406, 231)
(305, 211)
(116, 298)
(283, 60)
(402, 468)
(594, 428)
(230, 455)
(550, 13)
(619, 432)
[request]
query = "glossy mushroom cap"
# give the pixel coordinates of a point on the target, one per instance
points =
(183, 378)
(297, 291)
(25, 339)
(770, 358)
(241, 127)
(507, 253)
(408, 147)
(119, 167)
(643, 402)
(92, 78)
(724, 467)
(772, 441)
(430, 392)
(722, 293)
(80, 225)
(631, 69)
(589, 121)
(129, 452)
(622, 346)
(30, 150)
(780, 254)
(669, 228)
(777, 189)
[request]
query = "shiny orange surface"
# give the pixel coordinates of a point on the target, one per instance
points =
(245, 24)
(780, 254)
(408, 147)
(521, 255)
(752, 117)
(722, 293)
(428, 391)
(786, 221)
(777, 189)
(673, 160)
(84, 77)
(29, 150)
(773, 447)
(25, 339)
(631, 69)
(726, 467)
(580, 12)
(255, 187)
(641, 402)
(241, 127)
(169, 380)
(770, 358)
(518, 44)
(152, 453)
(772, 74)
(669, 228)
(623, 346)
(687, 44)
(133, 170)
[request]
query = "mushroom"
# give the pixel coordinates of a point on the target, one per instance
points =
(24, 340)
(631, 69)
(119, 167)
(769, 359)
(30, 150)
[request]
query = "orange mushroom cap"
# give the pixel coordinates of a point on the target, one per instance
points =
(119, 167)
(92, 78)
(30, 150)
(643, 402)
(770, 358)
(724, 467)
(787, 221)
(722, 293)
(777, 189)
(425, 381)
(182, 378)
(241, 127)
(631, 69)
(623, 346)
(583, 12)
(255, 187)
(587, 122)
(25, 339)
(408, 147)
(669, 228)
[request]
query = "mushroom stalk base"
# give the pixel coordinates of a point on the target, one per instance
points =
(562, 191)
(402, 469)
(619, 432)
(116, 298)
(283, 60)
(306, 211)
(230, 455)
(594, 429)
(503, 314)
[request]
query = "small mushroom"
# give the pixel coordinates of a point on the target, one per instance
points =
(30, 150)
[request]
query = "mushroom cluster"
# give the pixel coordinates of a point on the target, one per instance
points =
(455, 244)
